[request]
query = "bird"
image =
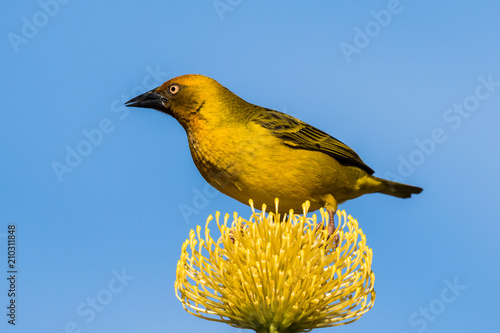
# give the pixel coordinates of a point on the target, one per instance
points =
(251, 152)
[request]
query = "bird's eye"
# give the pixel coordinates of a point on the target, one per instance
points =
(174, 89)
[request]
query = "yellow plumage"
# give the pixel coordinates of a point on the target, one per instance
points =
(250, 152)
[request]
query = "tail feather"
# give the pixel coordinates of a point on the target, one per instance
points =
(397, 189)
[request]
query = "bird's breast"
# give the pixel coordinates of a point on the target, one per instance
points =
(253, 164)
(219, 155)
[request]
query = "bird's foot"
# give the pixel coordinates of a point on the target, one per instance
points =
(331, 227)
(231, 232)
(331, 231)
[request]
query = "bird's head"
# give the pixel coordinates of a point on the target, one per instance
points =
(189, 98)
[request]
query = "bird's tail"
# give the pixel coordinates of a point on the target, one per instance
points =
(397, 189)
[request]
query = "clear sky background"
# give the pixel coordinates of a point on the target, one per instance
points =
(416, 95)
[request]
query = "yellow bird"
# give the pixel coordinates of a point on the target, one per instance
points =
(250, 152)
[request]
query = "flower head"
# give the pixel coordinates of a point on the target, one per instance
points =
(276, 275)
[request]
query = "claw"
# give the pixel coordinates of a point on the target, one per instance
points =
(331, 226)
(231, 233)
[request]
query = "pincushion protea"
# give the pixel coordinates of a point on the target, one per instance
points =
(277, 275)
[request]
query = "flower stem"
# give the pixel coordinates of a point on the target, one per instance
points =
(271, 329)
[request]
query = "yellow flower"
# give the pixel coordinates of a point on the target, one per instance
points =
(269, 276)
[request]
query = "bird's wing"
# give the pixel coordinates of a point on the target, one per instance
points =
(298, 134)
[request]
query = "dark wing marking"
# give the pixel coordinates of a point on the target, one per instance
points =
(298, 134)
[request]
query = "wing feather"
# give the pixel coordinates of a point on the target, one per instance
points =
(298, 134)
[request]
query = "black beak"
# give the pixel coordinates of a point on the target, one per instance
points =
(150, 100)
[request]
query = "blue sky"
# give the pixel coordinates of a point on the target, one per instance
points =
(412, 86)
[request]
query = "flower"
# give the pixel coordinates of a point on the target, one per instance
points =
(273, 276)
